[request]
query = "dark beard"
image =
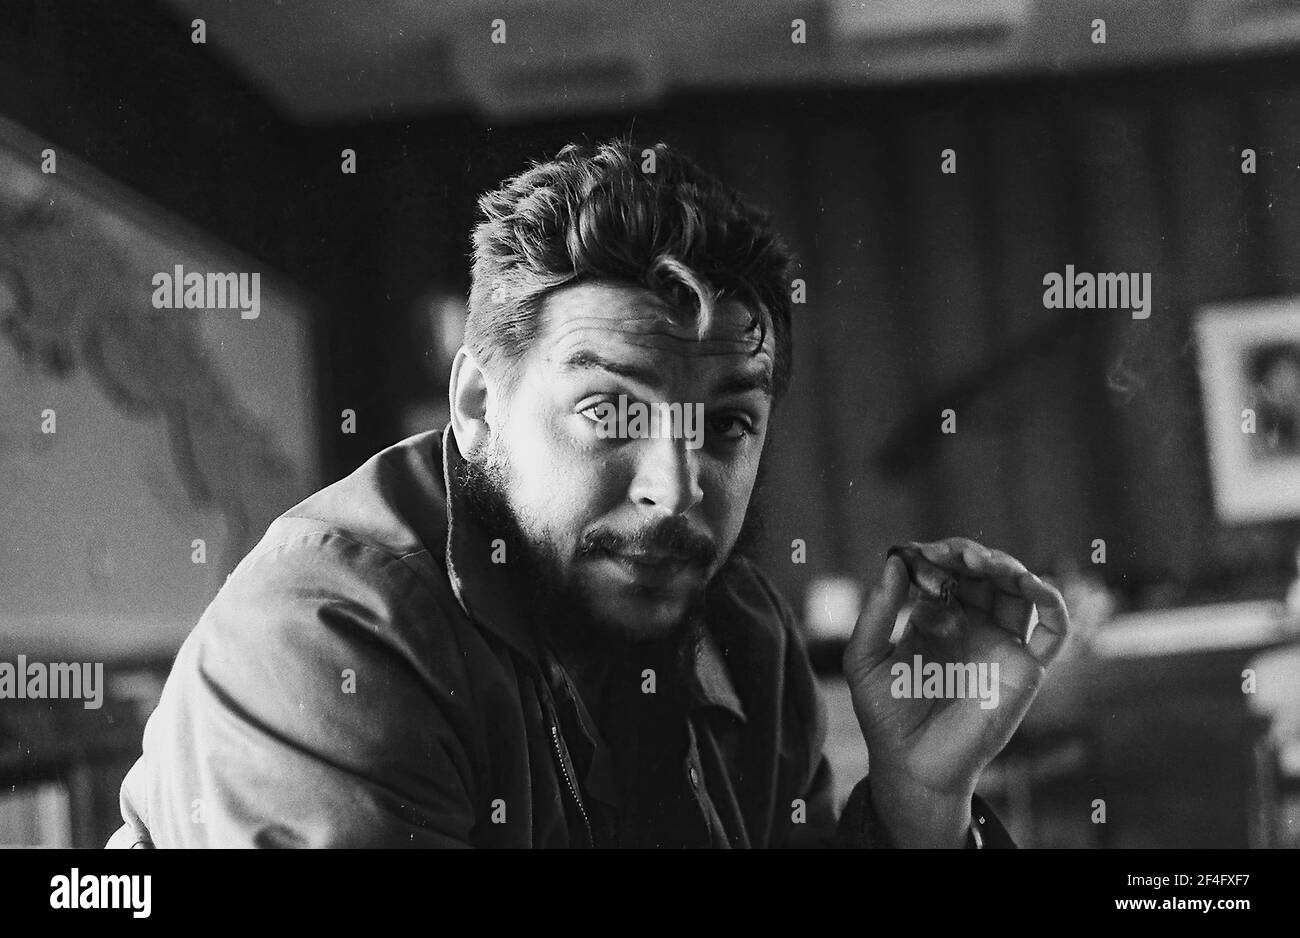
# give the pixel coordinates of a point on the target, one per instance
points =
(562, 618)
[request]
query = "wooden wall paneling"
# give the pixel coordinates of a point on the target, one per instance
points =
(413, 247)
(1218, 257)
(1274, 116)
(1085, 358)
(948, 299)
(1044, 447)
(1208, 199)
(1126, 233)
(687, 129)
(866, 374)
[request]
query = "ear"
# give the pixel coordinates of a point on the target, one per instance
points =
(470, 394)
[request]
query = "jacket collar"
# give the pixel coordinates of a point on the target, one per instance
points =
(486, 593)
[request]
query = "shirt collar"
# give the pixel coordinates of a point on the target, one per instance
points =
(712, 679)
(486, 593)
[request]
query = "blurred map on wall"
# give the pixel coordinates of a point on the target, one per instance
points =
(172, 426)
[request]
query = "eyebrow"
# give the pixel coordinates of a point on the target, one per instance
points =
(590, 360)
(754, 380)
(760, 380)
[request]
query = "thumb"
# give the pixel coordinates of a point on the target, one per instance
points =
(869, 645)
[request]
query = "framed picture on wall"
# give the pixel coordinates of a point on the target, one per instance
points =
(1250, 379)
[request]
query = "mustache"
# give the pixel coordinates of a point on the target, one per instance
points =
(672, 536)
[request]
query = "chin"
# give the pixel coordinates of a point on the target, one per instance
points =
(642, 618)
(635, 613)
(639, 604)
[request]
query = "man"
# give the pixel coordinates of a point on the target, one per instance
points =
(533, 628)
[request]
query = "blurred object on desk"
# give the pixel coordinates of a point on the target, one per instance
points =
(1196, 628)
(831, 608)
(36, 816)
(1274, 678)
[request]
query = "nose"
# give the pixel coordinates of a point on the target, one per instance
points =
(667, 476)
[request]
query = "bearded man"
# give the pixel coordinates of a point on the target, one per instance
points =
(528, 630)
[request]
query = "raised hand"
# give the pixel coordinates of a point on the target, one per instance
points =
(978, 607)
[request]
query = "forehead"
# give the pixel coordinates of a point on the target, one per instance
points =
(600, 316)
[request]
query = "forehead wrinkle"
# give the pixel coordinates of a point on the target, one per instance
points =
(644, 324)
(602, 321)
(719, 380)
(578, 332)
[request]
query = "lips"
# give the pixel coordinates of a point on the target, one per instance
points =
(651, 559)
(651, 569)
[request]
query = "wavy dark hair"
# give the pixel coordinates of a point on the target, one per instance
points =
(619, 212)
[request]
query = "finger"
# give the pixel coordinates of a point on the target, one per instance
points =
(1006, 571)
(869, 644)
(992, 564)
(995, 582)
(941, 629)
(1013, 613)
(988, 581)
(947, 553)
(955, 553)
(980, 561)
(932, 581)
(1050, 632)
(1005, 608)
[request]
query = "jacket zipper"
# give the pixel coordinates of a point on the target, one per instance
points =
(568, 781)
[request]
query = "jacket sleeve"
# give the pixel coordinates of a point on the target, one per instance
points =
(296, 714)
(860, 826)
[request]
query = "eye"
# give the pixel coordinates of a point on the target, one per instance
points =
(598, 412)
(731, 427)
